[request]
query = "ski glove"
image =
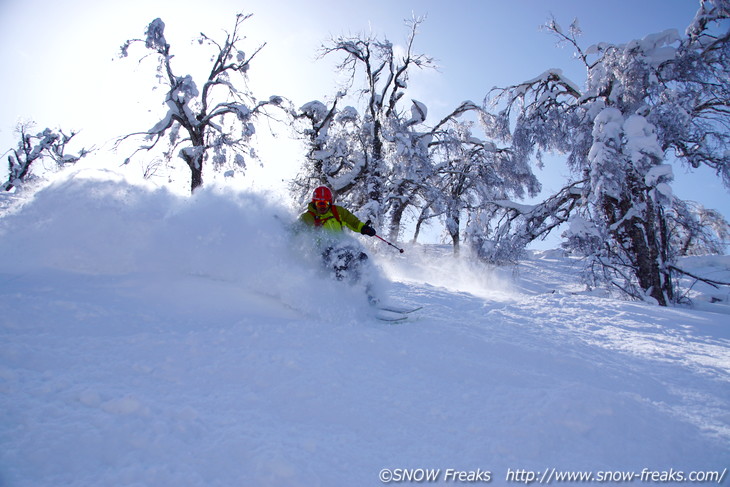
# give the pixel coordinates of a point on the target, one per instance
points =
(368, 230)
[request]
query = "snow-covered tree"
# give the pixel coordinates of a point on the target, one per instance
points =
(694, 110)
(385, 158)
(336, 150)
(46, 145)
(367, 156)
(696, 230)
(468, 176)
(516, 225)
(216, 117)
(642, 102)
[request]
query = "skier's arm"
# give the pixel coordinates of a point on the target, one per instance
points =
(351, 221)
(354, 223)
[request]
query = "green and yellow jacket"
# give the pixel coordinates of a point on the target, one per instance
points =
(333, 221)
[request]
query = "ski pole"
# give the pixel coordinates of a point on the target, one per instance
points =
(381, 238)
(398, 249)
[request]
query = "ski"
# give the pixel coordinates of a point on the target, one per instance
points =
(390, 316)
(393, 313)
(399, 309)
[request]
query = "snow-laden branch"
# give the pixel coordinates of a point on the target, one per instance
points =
(712, 282)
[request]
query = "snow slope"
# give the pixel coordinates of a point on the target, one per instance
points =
(149, 339)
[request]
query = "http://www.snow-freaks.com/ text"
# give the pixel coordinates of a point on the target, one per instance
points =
(548, 476)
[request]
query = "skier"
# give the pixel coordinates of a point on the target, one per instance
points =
(343, 256)
(323, 215)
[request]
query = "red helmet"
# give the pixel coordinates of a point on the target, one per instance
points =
(323, 194)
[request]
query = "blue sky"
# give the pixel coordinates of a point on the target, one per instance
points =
(59, 68)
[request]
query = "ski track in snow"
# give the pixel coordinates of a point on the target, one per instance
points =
(205, 375)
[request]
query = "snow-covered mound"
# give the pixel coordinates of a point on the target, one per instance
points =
(150, 339)
(97, 223)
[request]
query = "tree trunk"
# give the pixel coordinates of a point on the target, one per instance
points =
(456, 243)
(452, 226)
(194, 156)
(374, 180)
(196, 177)
(395, 221)
(194, 159)
(643, 241)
